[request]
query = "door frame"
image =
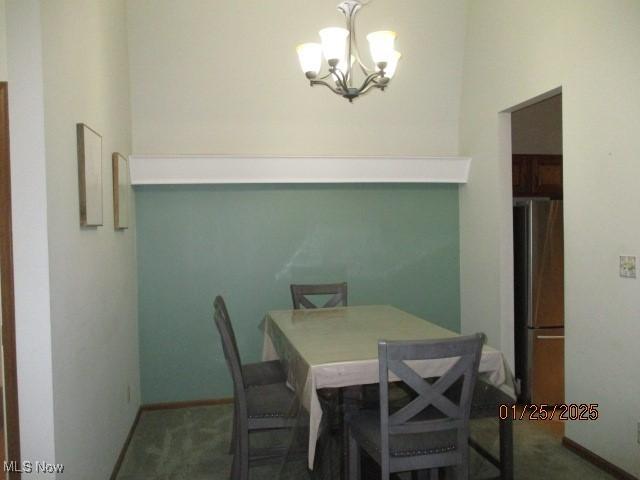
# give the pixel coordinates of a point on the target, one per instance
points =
(507, 330)
(10, 382)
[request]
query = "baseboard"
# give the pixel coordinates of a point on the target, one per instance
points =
(187, 404)
(597, 460)
(123, 451)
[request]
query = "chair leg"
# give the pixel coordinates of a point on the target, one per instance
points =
(235, 465)
(461, 471)
(506, 449)
(233, 432)
(242, 453)
(354, 458)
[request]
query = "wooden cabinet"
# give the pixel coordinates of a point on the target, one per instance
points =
(537, 175)
(546, 176)
(521, 169)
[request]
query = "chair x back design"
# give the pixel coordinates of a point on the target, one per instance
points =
(338, 292)
(432, 430)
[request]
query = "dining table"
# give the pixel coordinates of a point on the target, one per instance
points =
(338, 347)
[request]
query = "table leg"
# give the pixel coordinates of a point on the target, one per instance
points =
(351, 397)
(506, 449)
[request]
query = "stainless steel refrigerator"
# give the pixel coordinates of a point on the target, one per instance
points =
(538, 241)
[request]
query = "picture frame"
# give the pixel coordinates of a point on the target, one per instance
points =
(89, 175)
(121, 187)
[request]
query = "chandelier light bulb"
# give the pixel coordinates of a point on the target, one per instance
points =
(310, 57)
(392, 64)
(334, 43)
(381, 46)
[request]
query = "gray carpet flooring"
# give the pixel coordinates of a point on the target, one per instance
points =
(192, 444)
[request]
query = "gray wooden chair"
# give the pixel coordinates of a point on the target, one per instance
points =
(432, 430)
(256, 407)
(258, 373)
(338, 292)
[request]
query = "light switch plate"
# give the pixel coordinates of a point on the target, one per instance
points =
(628, 266)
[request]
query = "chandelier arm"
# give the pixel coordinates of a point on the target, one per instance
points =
(341, 80)
(365, 70)
(369, 80)
(372, 85)
(356, 54)
(345, 79)
(378, 81)
(320, 82)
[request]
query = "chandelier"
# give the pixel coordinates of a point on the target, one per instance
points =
(339, 44)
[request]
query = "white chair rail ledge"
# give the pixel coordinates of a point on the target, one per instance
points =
(221, 169)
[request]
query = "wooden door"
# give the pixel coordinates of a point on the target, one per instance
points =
(6, 280)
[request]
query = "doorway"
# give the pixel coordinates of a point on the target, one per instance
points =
(10, 435)
(538, 250)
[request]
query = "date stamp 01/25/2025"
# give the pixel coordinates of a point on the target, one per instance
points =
(562, 411)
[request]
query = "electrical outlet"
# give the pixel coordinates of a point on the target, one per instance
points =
(628, 266)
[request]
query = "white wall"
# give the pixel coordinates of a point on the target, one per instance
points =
(93, 270)
(30, 245)
(538, 128)
(515, 51)
(76, 293)
(223, 77)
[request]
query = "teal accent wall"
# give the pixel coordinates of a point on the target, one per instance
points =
(394, 244)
